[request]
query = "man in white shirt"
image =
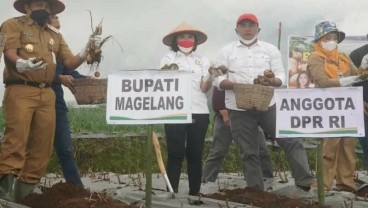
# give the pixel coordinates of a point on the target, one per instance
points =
(247, 58)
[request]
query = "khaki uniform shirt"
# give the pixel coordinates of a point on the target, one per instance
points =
(31, 40)
(317, 75)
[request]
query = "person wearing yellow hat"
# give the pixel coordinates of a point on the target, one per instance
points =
(187, 140)
(31, 49)
(327, 67)
(248, 58)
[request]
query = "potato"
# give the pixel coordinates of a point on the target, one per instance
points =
(363, 73)
(263, 80)
(211, 69)
(268, 73)
(223, 69)
(38, 59)
(97, 74)
(166, 67)
(173, 66)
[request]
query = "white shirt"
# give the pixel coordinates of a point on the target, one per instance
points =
(247, 64)
(198, 65)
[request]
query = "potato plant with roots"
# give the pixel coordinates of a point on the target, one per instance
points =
(94, 52)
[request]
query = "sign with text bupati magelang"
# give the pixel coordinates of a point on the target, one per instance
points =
(320, 112)
(149, 97)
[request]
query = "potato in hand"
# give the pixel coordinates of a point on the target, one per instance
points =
(222, 68)
(38, 59)
(363, 73)
(268, 73)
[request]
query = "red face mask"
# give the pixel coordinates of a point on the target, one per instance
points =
(186, 43)
(186, 46)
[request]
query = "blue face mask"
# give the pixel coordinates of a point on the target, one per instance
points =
(40, 16)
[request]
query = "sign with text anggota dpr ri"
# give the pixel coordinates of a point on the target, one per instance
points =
(149, 97)
(319, 112)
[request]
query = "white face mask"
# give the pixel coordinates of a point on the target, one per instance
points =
(329, 45)
(247, 41)
(185, 50)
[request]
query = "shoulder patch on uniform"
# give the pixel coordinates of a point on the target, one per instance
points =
(53, 29)
(20, 19)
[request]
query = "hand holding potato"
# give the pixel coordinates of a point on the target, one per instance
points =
(213, 73)
(38, 59)
(170, 67)
(267, 79)
(363, 73)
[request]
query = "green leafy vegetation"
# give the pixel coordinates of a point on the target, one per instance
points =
(126, 153)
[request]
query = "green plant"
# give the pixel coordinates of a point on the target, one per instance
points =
(127, 154)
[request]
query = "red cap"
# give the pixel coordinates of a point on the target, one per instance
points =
(250, 17)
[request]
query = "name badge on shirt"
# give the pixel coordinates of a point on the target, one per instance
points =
(198, 62)
(51, 42)
(27, 34)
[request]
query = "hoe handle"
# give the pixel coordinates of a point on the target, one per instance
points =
(156, 145)
(160, 161)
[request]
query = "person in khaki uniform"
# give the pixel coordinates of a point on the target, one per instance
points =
(327, 67)
(31, 50)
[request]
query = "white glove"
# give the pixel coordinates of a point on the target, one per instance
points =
(29, 65)
(96, 40)
(364, 63)
(349, 81)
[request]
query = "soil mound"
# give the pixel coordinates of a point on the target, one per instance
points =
(261, 199)
(66, 195)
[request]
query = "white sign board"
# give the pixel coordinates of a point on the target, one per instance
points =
(149, 97)
(320, 112)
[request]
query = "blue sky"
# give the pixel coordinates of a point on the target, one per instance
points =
(139, 25)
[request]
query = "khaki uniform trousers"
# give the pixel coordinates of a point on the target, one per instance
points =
(339, 162)
(29, 114)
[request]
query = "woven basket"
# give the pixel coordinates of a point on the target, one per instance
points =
(90, 91)
(253, 96)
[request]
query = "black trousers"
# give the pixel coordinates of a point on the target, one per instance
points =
(186, 140)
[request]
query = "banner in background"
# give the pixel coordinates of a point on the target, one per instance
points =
(149, 97)
(300, 47)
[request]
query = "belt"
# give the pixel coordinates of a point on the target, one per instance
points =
(28, 83)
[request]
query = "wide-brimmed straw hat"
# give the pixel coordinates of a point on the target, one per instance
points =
(326, 27)
(184, 27)
(56, 6)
